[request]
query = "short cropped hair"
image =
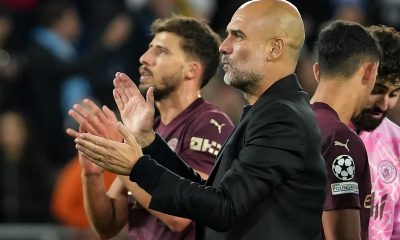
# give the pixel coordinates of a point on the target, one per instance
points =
(389, 40)
(343, 47)
(198, 41)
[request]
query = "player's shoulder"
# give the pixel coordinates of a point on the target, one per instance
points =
(345, 151)
(343, 140)
(207, 107)
(209, 113)
(342, 130)
(343, 133)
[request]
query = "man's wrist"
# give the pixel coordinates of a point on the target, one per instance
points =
(146, 139)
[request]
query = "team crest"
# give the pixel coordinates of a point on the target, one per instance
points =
(173, 143)
(387, 171)
(343, 167)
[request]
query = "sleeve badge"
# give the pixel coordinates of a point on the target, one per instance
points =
(343, 167)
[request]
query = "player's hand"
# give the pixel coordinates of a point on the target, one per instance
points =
(99, 122)
(88, 168)
(114, 156)
(137, 113)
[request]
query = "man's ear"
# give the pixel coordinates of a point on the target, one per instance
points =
(370, 72)
(316, 71)
(193, 70)
(275, 50)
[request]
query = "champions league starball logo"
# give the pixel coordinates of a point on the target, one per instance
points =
(343, 167)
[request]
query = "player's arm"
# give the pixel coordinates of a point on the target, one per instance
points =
(341, 215)
(343, 224)
(107, 212)
(175, 224)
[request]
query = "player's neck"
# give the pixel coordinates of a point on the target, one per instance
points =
(174, 104)
(338, 98)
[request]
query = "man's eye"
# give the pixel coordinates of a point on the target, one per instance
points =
(394, 94)
(237, 35)
(162, 50)
(377, 91)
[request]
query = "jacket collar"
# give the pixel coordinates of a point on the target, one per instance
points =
(286, 85)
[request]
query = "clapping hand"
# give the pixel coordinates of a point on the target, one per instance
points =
(111, 155)
(137, 113)
(100, 122)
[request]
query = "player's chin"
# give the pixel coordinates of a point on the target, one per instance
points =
(143, 87)
(372, 123)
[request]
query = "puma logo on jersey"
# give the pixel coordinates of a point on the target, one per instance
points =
(337, 143)
(219, 126)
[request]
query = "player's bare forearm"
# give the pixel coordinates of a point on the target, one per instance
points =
(343, 224)
(106, 215)
(175, 224)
